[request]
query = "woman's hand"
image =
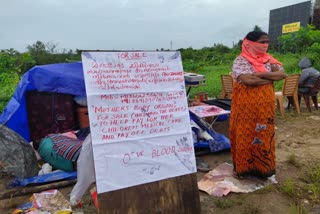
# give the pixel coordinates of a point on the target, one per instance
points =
(276, 67)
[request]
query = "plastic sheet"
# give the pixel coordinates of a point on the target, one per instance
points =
(86, 173)
(17, 156)
(53, 176)
(218, 142)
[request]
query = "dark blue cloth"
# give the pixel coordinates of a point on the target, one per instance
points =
(60, 78)
(303, 90)
(219, 142)
(53, 176)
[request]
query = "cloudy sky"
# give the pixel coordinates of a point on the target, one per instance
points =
(131, 24)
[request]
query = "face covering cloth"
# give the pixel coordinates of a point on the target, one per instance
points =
(256, 54)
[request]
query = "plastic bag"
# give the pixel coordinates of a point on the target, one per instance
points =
(81, 100)
(86, 173)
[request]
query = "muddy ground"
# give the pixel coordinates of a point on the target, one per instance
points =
(298, 154)
(298, 159)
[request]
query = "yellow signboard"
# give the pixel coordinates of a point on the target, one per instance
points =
(292, 27)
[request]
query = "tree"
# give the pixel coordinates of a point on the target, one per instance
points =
(43, 53)
(39, 53)
(257, 28)
(14, 63)
(12, 66)
(221, 48)
(316, 14)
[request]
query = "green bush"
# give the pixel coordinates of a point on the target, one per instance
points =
(313, 53)
(8, 84)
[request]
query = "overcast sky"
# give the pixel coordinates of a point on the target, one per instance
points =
(131, 24)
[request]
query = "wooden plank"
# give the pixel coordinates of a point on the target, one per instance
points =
(173, 195)
(34, 189)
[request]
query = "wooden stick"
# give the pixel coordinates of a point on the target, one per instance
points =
(34, 189)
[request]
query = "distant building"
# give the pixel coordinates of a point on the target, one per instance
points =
(316, 14)
(289, 19)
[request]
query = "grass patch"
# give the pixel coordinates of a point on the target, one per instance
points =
(297, 209)
(213, 82)
(288, 187)
(224, 203)
(251, 210)
(292, 159)
(313, 180)
(265, 189)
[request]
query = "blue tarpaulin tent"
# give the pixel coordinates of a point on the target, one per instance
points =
(60, 78)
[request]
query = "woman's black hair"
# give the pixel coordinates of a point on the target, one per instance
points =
(36, 143)
(255, 35)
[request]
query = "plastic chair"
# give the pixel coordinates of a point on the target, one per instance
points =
(227, 84)
(313, 93)
(289, 89)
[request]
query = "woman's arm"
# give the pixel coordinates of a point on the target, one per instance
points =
(276, 75)
(252, 80)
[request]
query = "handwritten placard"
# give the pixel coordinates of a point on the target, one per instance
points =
(139, 118)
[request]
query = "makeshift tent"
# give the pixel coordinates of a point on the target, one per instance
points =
(60, 78)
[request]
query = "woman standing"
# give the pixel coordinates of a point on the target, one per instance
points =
(253, 107)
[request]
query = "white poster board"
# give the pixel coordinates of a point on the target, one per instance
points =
(139, 118)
